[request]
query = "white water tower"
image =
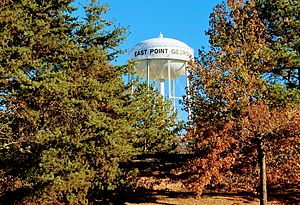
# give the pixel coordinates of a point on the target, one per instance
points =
(162, 60)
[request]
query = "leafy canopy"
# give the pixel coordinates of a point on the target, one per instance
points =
(236, 112)
(67, 119)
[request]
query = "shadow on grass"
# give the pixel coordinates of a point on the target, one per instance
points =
(143, 195)
(291, 198)
(161, 166)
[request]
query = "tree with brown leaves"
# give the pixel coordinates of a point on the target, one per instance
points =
(234, 116)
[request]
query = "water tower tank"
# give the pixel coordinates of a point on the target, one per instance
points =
(160, 59)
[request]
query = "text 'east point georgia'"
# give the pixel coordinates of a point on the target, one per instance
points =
(160, 51)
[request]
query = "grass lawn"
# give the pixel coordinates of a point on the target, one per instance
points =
(168, 193)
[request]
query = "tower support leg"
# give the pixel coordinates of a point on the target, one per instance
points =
(162, 88)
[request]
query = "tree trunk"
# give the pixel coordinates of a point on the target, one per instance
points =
(262, 172)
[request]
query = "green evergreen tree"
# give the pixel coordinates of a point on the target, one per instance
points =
(156, 131)
(282, 20)
(67, 118)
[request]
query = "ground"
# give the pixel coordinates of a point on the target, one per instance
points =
(168, 193)
(159, 184)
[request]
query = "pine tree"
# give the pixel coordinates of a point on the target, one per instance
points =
(155, 122)
(282, 19)
(67, 117)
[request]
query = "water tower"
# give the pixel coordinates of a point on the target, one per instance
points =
(161, 61)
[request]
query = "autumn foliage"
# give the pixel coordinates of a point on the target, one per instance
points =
(236, 114)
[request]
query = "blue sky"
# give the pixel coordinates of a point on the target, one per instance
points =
(185, 20)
